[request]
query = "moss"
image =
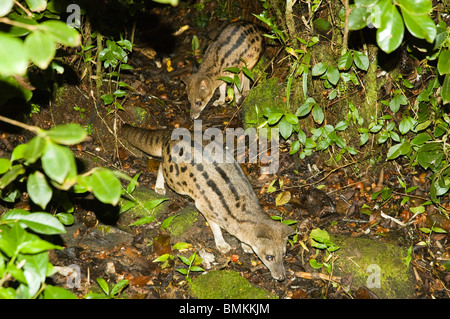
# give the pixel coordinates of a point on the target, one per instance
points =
(140, 114)
(183, 221)
(377, 265)
(141, 195)
(225, 284)
(267, 94)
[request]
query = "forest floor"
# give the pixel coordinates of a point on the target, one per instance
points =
(103, 244)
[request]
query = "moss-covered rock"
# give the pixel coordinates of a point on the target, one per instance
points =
(225, 284)
(183, 221)
(382, 267)
(268, 93)
(141, 196)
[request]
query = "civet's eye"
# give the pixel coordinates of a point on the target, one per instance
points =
(269, 257)
(198, 103)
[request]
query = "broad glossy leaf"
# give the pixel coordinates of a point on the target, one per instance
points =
(43, 223)
(105, 186)
(68, 134)
(61, 32)
(318, 114)
(361, 60)
(445, 90)
(285, 128)
(52, 292)
(56, 162)
(35, 149)
(37, 5)
(5, 7)
(444, 62)
(419, 7)
(40, 48)
(13, 59)
(391, 31)
(5, 165)
(398, 150)
(38, 189)
(420, 26)
(11, 175)
(345, 61)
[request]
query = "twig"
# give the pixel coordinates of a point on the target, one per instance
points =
(33, 129)
(315, 276)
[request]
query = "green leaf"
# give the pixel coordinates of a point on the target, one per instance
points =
(406, 124)
(398, 150)
(117, 288)
(38, 189)
(444, 62)
(61, 32)
(358, 17)
(18, 152)
(361, 60)
(16, 63)
(66, 219)
(274, 118)
(105, 186)
(391, 31)
(183, 271)
(11, 175)
(197, 268)
(5, 7)
(421, 139)
(185, 260)
(143, 221)
(291, 118)
(315, 264)
(56, 162)
(37, 5)
(35, 149)
(333, 75)
(397, 101)
(318, 114)
(345, 61)
(42, 223)
(161, 258)
(107, 98)
(285, 128)
(52, 292)
(103, 284)
(306, 107)
(182, 245)
(37, 246)
(420, 25)
(445, 90)
(40, 48)
(5, 165)
(67, 134)
(319, 69)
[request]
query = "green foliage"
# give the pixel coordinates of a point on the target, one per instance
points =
(46, 167)
(191, 262)
(390, 23)
(107, 292)
(31, 40)
(320, 239)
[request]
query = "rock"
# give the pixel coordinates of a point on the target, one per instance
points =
(380, 266)
(226, 284)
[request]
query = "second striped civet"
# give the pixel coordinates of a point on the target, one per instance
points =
(221, 193)
(239, 44)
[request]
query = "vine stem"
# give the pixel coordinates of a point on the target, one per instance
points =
(33, 129)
